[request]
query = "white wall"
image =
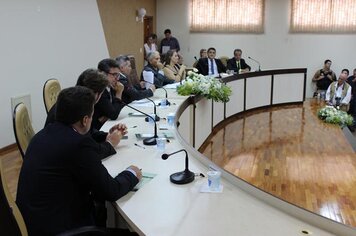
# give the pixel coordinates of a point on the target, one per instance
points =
(275, 48)
(41, 39)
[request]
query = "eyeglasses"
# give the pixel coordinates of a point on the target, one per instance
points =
(115, 75)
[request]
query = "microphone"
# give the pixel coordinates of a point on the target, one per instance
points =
(147, 141)
(183, 177)
(157, 118)
(167, 102)
(259, 65)
(195, 58)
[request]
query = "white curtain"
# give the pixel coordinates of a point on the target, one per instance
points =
(245, 16)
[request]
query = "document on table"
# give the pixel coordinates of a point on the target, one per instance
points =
(146, 177)
(148, 77)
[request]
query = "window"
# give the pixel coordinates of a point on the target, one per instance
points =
(323, 16)
(243, 16)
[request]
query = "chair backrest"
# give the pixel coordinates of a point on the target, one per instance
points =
(224, 60)
(11, 220)
(22, 128)
(51, 90)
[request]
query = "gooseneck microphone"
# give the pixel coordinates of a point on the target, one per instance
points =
(259, 65)
(167, 102)
(183, 177)
(195, 58)
(157, 118)
(147, 141)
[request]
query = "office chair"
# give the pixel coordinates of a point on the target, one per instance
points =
(51, 90)
(224, 60)
(22, 128)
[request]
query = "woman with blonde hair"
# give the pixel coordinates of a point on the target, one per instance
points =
(172, 69)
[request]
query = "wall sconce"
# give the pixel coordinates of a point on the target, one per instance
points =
(140, 14)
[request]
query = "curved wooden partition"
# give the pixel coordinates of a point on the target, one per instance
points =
(198, 116)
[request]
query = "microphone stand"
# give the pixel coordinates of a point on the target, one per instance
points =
(182, 177)
(151, 140)
(259, 65)
(167, 102)
(157, 118)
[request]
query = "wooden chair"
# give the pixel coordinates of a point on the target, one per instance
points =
(51, 90)
(224, 60)
(22, 128)
(133, 76)
(11, 221)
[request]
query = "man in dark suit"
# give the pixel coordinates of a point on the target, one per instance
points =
(97, 82)
(210, 66)
(237, 64)
(62, 172)
(131, 91)
(109, 104)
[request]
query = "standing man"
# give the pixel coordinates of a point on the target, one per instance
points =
(62, 171)
(210, 66)
(237, 64)
(324, 77)
(339, 93)
(131, 91)
(352, 111)
(169, 42)
(109, 104)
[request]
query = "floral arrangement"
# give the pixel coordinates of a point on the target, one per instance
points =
(206, 86)
(334, 116)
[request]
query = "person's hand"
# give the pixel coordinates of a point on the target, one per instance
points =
(143, 84)
(114, 137)
(119, 88)
(122, 128)
(153, 88)
(137, 171)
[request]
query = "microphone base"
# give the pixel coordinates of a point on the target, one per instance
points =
(168, 103)
(183, 177)
(157, 118)
(150, 141)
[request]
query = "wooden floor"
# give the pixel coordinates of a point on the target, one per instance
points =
(290, 153)
(11, 161)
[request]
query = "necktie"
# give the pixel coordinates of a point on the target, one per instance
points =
(212, 66)
(238, 65)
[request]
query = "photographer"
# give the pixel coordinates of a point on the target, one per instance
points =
(324, 77)
(339, 93)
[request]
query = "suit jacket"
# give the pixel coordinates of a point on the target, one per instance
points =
(203, 66)
(131, 93)
(108, 106)
(231, 65)
(159, 79)
(105, 148)
(61, 173)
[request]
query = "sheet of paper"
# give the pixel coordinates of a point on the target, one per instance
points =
(172, 86)
(146, 177)
(148, 77)
(165, 49)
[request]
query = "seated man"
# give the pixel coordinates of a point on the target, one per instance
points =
(61, 171)
(131, 92)
(97, 82)
(154, 65)
(237, 64)
(210, 66)
(339, 93)
(109, 104)
(324, 77)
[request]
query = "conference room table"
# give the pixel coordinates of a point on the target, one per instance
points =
(160, 207)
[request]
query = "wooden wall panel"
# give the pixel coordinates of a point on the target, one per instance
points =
(123, 34)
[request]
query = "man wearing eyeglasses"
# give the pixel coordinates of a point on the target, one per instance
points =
(109, 104)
